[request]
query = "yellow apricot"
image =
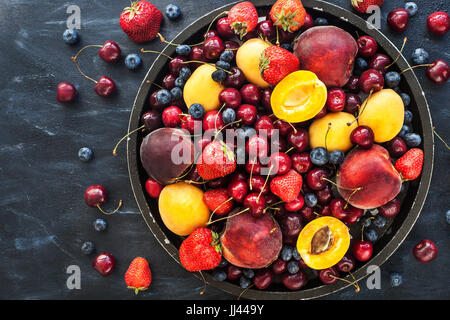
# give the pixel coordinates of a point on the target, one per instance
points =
(247, 59)
(182, 208)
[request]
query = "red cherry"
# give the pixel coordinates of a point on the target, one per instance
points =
(171, 117)
(95, 196)
(266, 29)
(438, 71)
(264, 126)
(236, 79)
(168, 82)
(270, 199)
(213, 47)
(221, 182)
(266, 94)
(294, 281)
(154, 103)
(337, 208)
(309, 22)
(353, 84)
(398, 19)
(390, 209)
(307, 213)
(438, 22)
(238, 176)
(295, 205)
(197, 54)
(291, 224)
(352, 103)
(104, 263)
(279, 266)
(251, 94)
(299, 139)
(283, 127)
(210, 33)
(367, 46)
(105, 87)
(212, 120)
(362, 250)
(230, 97)
(425, 251)
(232, 46)
(325, 195)
(335, 100)
(152, 120)
(176, 64)
(363, 136)
(286, 36)
(237, 190)
(301, 162)
(371, 80)
(346, 264)
(353, 214)
(280, 163)
(327, 276)
(253, 166)
(325, 211)
(396, 147)
(316, 178)
(257, 146)
(190, 124)
(379, 62)
(322, 113)
(66, 92)
(255, 203)
(258, 183)
(233, 272)
(247, 113)
(263, 278)
(110, 52)
(153, 188)
(223, 28)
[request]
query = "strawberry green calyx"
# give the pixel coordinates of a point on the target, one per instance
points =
(229, 154)
(264, 62)
(135, 9)
(216, 243)
(137, 290)
(240, 28)
(286, 20)
(355, 3)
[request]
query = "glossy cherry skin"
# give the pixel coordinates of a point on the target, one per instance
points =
(154, 103)
(253, 166)
(295, 205)
(153, 188)
(390, 209)
(65, 92)
(231, 97)
(213, 47)
(352, 84)
(291, 224)
(263, 278)
(371, 80)
(315, 178)
(105, 87)
(238, 190)
(283, 127)
(190, 124)
(367, 46)
(346, 264)
(176, 64)
(266, 94)
(251, 94)
(337, 208)
(257, 146)
(299, 139)
(197, 54)
(398, 19)
(223, 28)
(363, 136)
(301, 162)
(171, 117)
(438, 22)
(379, 62)
(396, 147)
(168, 82)
(353, 214)
(286, 36)
(212, 120)
(110, 52)
(309, 22)
(233, 272)
(266, 29)
(95, 196)
(335, 100)
(307, 213)
(247, 114)
(279, 266)
(258, 184)
(280, 163)
(255, 203)
(327, 275)
(425, 251)
(104, 263)
(352, 103)
(438, 71)
(362, 250)
(325, 195)
(264, 126)
(325, 211)
(294, 281)
(236, 79)
(221, 182)
(210, 33)
(152, 120)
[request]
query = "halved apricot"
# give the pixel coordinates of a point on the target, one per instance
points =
(323, 242)
(298, 97)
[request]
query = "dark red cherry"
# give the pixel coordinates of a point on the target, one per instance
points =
(279, 266)
(266, 29)
(346, 264)
(266, 94)
(294, 281)
(152, 120)
(223, 28)
(316, 178)
(263, 278)
(295, 205)
(328, 276)
(213, 121)
(190, 124)
(352, 103)
(286, 36)
(251, 94)
(309, 22)
(398, 19)
(231, 97)
(221, 182)
(250, 35)
(438, 22)
(210, 33)
(379, 62)
(280, 163)
(253, 166)
(283, 127)
(264, 126)
(176, 64)
(325, 211)
(105, 87)
(154, 103)
(301, 162)
(362, 250)
(110, 52)
(396, 147)
(238, 190)
(367, 46)
(353, 214)
(307, 213)
(438, 71)
(171, 117)
(66, 92)
(363, 136)
(236, 79)
(352, 84)
(197, 54)
(390, 209)
(291, 224)
(371, 79)
(104, 263)
(247, 113)
(213, 47)
(335, 100)
(325, 195)
(337, 208)
(168, 82)
(233, 272)
(255, 203)
(322, 113)
(258, 184)
(95, 196)
(425, 251)
(233, 46)
(299, 139)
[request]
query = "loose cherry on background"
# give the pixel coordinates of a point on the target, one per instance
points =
(438, 22)
(66, 92)
(438, 71)
(367, 46)
(109, 51)
(104, 263)
(397, 19)
(425, 251)
(95, 196)
(363, 136)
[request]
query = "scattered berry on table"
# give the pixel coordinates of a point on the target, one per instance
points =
(87, 247)
(412, 8)
(336, 157)
(65, 92)
(219, 75)
(219, 275)
(408, 117)
(138, 276)
(447, 216)
(425, 251)
(397, 19)
(379, 221)
(244, 282)
(320, 21)
(420, 56)
(163, 97)
(228, 115)
(286, 253)
(227, 56)
(371, 235)
(405, 98)
(85, 154)
(319, 156)
(173, 12)
(310, 200)
(133, 61)
(412, 139)
(292, 267)
(100, 225)
(70, 36)
(223, 65)
(196, 111)
(396, 279)
(176, 93)
(104, 263)
(392, 79)
(183, 50)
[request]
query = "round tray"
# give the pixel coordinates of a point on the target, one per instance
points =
(412, 199)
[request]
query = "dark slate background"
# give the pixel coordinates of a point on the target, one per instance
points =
(43, 216)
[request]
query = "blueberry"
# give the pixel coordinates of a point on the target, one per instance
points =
(176, 93)
(245, 133)
(420, 56)
(85, 154)
(196, 111)
(185, 73)
(396, 279)
(367, 223)
(412, 140)
(219, 275)
(249, 273)
(87, 247)
(405, 130)
(293, 267)
(70, 36)
(447, 216)
(179, 82)
(244, 282)
(310, 200)
(219, 75)
(133, 61)
(173, 12)
(379, 221)
(392, 79)
(163, 97)
(360, 65)
(100, 225)
(408, 117)
(223, 65)
(371, 235)
(286, 46)
(223, 263)
(320, 22)
(406, 99)
(319, 156)
(296, 255)
(412, 8)
(183, 50)
(336, 157)
(228, 115)
(286, 253)
(227, 56)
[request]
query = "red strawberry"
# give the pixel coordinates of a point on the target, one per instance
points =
(243, 18)
(217, 160)
(201, 250)
(218, 201)
(141, 21)
(290, 15)
(138, 276)
(410, 164)
(276, 63)
(287, 186)
(362, 5)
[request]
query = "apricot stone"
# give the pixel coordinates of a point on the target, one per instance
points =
(247, 59)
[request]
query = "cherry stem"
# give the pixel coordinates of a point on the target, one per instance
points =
(334, 183)
(82, 49)
(273, 206)
(354, 283)
(195, 182)
(149, 82)
(326, 134)
(228, 217)
(265, 183)
(126, 136)
(295, 129)
(110, 213)
(399, 54)
(278, 37)
(362, 229)
(211, 64)
(244, 291)
(362, 109)
(229, 199)
(251, 174)
(153, 51)
(351, 195)
(289, 150)
(215, 18)
(82, 73)
(185, 173)
(416, 66)
(440, 138)
(162, 39)
(204, 283)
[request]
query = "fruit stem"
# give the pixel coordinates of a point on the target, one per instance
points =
(265, 183)
(273, 206)
(228, 217)
(149, 82)
(163, 40)
(244, 291)
(440, 138)
(362, 228)
(416, 66)
(110, 213)
(153, 51)
(215, 18)
(229, 199)
(227, 125)
(251, 174)
(126, 136)
(82, 73)
(186, 172)
(295, 129)
(278, 37)
(399, 54)
(204, 283)
(334, 183)
(362, 109)
(82, 49)
(354, 283)
(288, 150)
(326, 134)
